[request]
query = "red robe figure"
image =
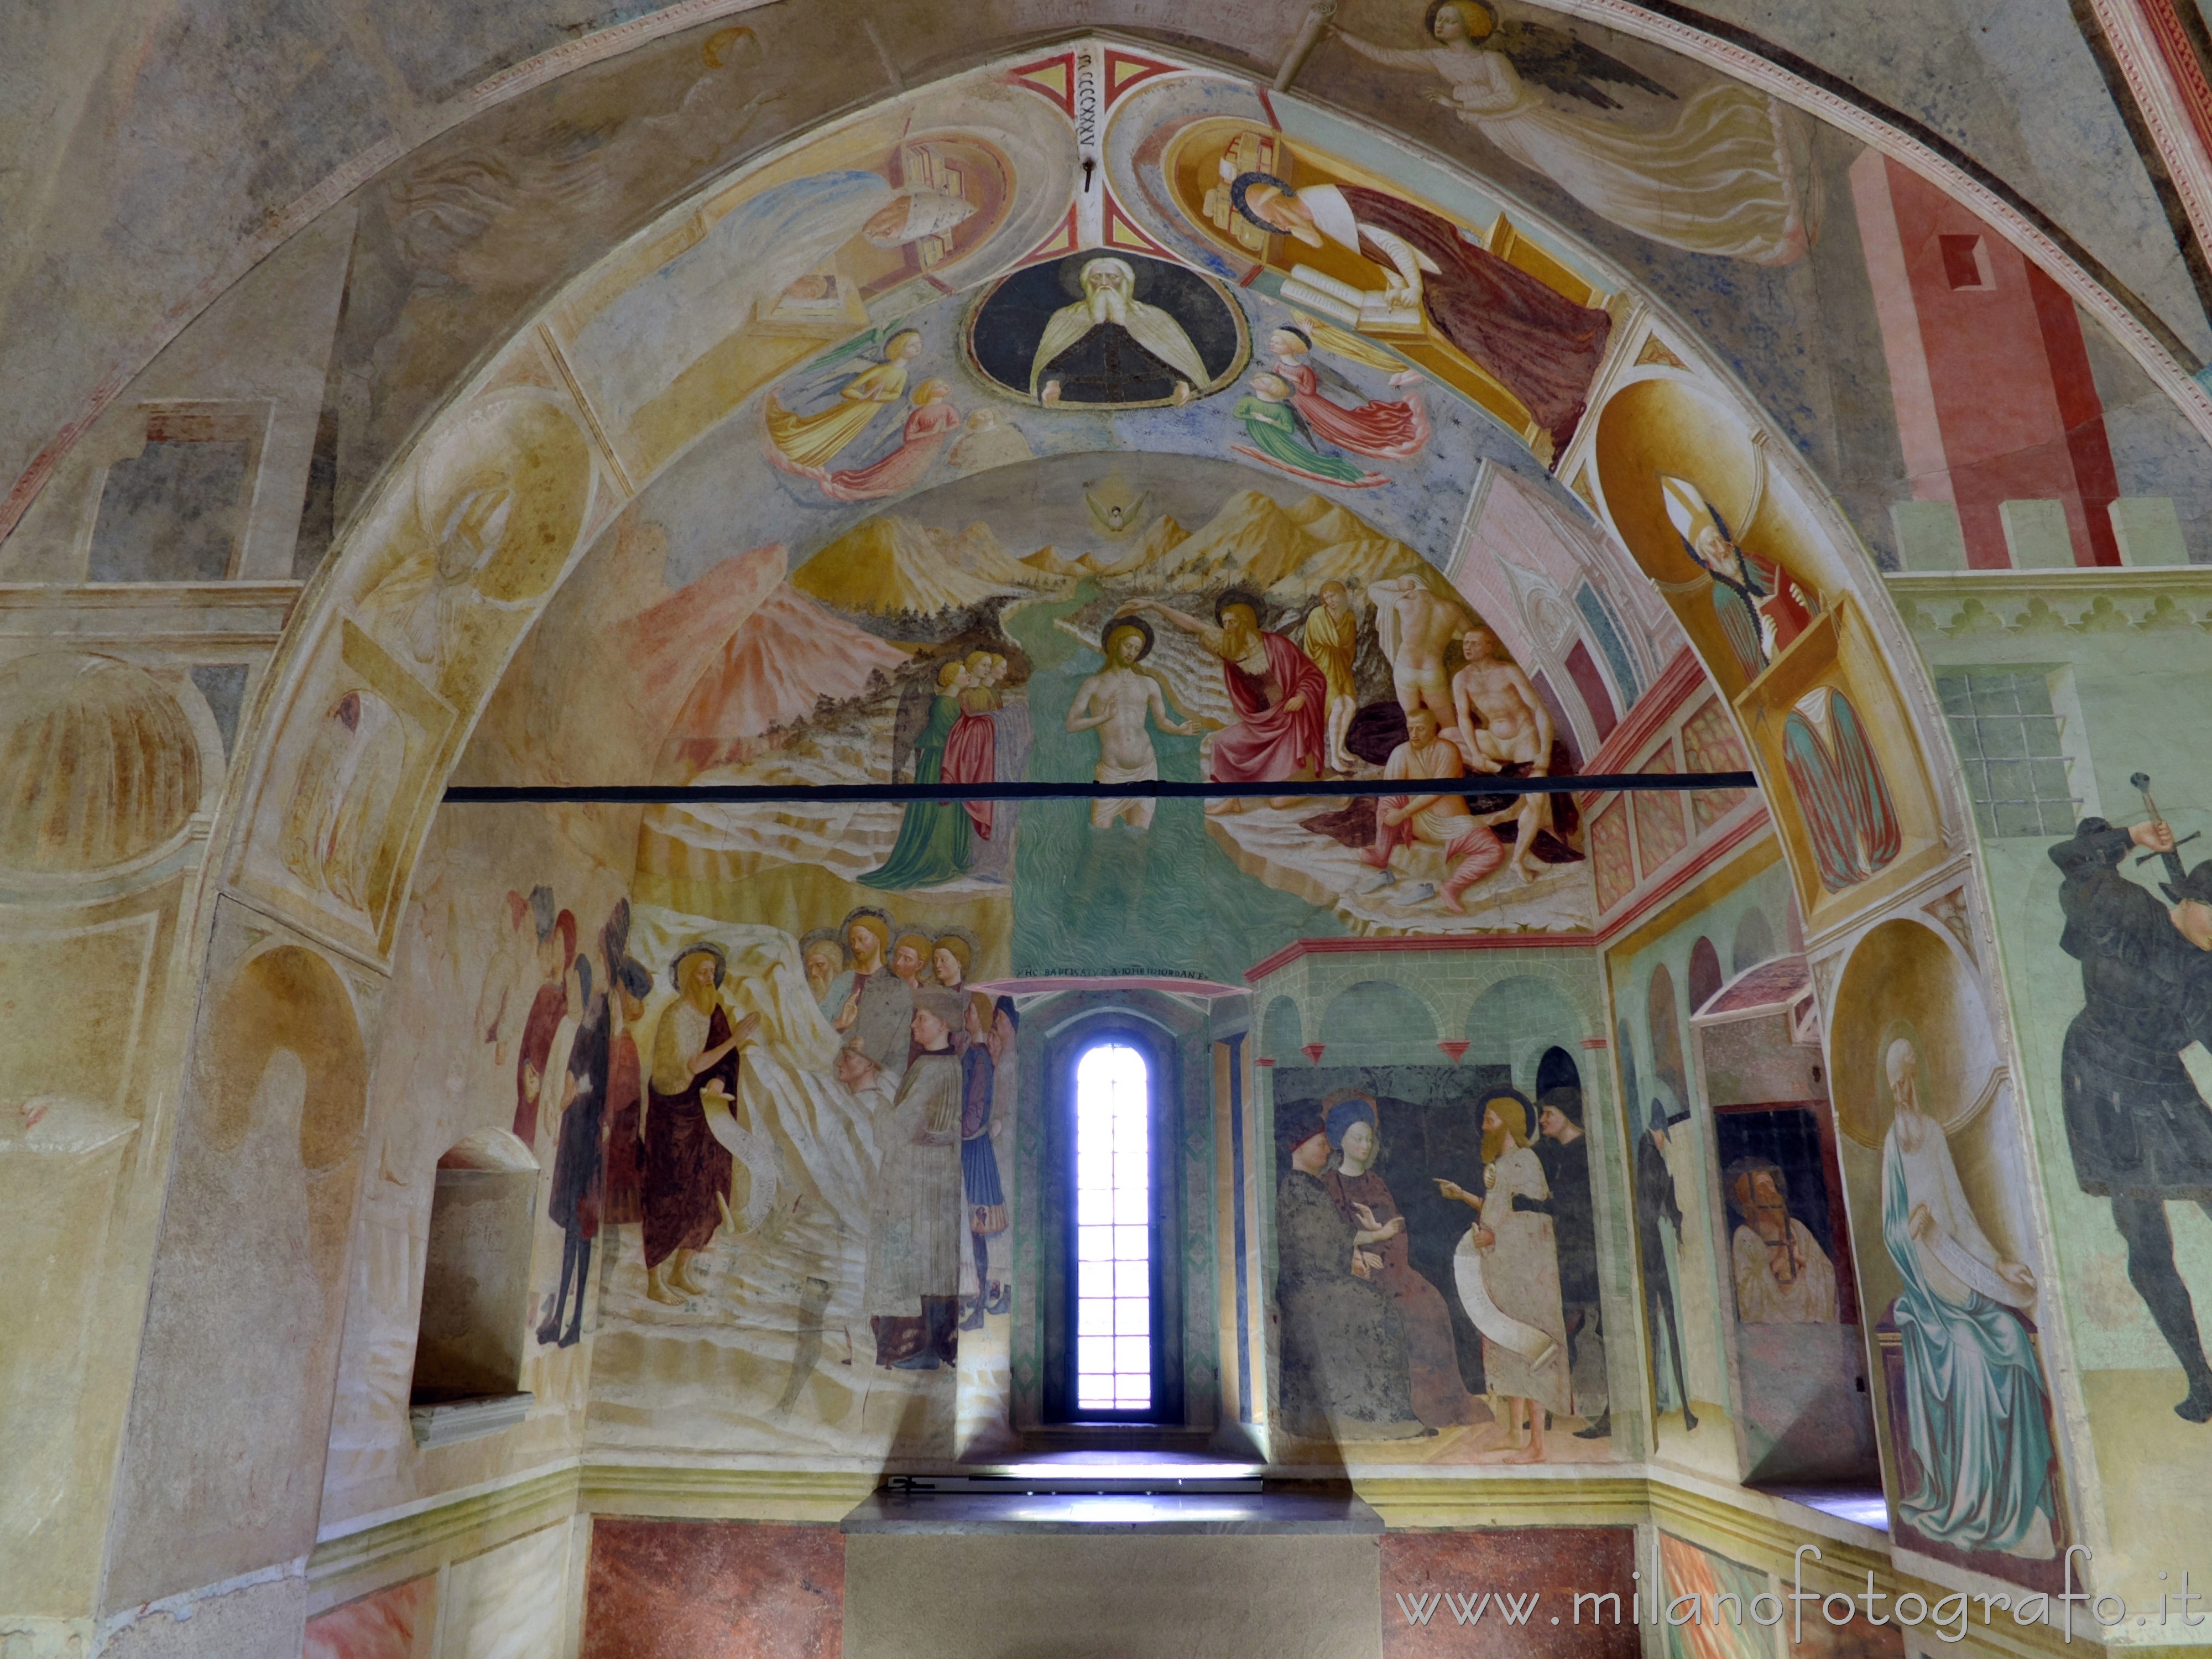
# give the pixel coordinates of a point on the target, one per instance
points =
(932, 422)
(1393, 431)
(971, 747)
(624, 1199)
(687, 1170)
(1280, 697)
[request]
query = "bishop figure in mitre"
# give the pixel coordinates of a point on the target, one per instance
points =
(1110, 299)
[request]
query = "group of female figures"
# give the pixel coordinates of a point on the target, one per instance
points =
(973, 735)
(1368, 1349)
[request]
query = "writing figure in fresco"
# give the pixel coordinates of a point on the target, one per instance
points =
(1281, 439)
(1364, 1200)
(985, 1041)
(880, 1007)
(579, 1121)
(688, 1171)
(1537, 343)
(1115, 703)
(1442, 822)
(1712, 177)
(1280, 698)
(1655, 1208)
(828, 964)
(929, 426)
(1108, 302)
(2134, 1072)
(1562, 1151)
(1507, 1269)
(1979, 1476)
(1331, 638)
(622, 1202)
(775, 259)
(806, 444)
(1345, 1368)
(1849, 817)
(912, 1298)
(1394, 430)
(933, 836)
(1502, 726)
(557, 949)
(1760, 606)
(1783, 1276)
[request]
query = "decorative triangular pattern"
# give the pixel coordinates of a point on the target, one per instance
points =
(1122, 232)
(1581, 487)
(1064, 239)
(1654, 351)
(1051, 78)
(1125, 69)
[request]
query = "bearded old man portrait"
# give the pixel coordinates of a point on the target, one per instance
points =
(1110, 302)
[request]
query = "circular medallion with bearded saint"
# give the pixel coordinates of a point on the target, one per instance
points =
(1108, 331)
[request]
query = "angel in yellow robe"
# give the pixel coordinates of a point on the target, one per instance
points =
(810, 442)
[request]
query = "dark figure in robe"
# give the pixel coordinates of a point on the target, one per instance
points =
(979, 1158)
(1440, 1394)
(557, 949)
(687, 1170)
(573, 1204)
(1655, 1207)
(1345, 1374)
(623, 1202)
(1564, 1151)
(2140, 1132)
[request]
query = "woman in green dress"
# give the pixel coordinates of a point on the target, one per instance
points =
(1274, 426)
(934, 834)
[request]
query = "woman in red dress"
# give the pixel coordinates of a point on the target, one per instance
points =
(1395, 431)
(1440, 1396)
(971, 748)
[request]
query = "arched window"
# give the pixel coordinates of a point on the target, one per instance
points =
(1115, 1273)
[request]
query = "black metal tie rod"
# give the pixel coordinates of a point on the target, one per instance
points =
(749, 794)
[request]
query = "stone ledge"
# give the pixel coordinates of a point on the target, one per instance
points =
(2100, 599)
(453, 1420)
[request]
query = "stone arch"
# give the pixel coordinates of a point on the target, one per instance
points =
(1281, 1033)
(1377, 1022)
(1517, 1021)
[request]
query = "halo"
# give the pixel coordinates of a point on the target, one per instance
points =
(1239, 187)
(1114, 625)
(698, 948)
(1243, 596)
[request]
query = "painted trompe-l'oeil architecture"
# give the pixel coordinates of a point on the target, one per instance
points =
(473, 1229)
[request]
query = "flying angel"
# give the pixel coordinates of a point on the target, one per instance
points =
(1715, 179)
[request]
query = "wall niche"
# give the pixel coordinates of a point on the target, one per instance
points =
(469, 1342)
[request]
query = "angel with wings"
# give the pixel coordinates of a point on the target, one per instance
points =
(1715, 179)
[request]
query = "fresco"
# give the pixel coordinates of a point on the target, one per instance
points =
(1100, 419)
(1435, 1268)
(1924, 1105)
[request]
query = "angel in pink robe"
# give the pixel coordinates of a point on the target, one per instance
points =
(932, 423)
(1280, 697)
(1393, 431)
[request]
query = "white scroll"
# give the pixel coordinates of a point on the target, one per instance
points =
(1470, 1262)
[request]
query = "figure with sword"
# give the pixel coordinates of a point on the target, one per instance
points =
(2138, 1127)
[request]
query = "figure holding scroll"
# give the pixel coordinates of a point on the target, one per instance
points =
(1507, 1267)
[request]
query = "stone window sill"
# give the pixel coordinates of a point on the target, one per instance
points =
(450, 1420)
